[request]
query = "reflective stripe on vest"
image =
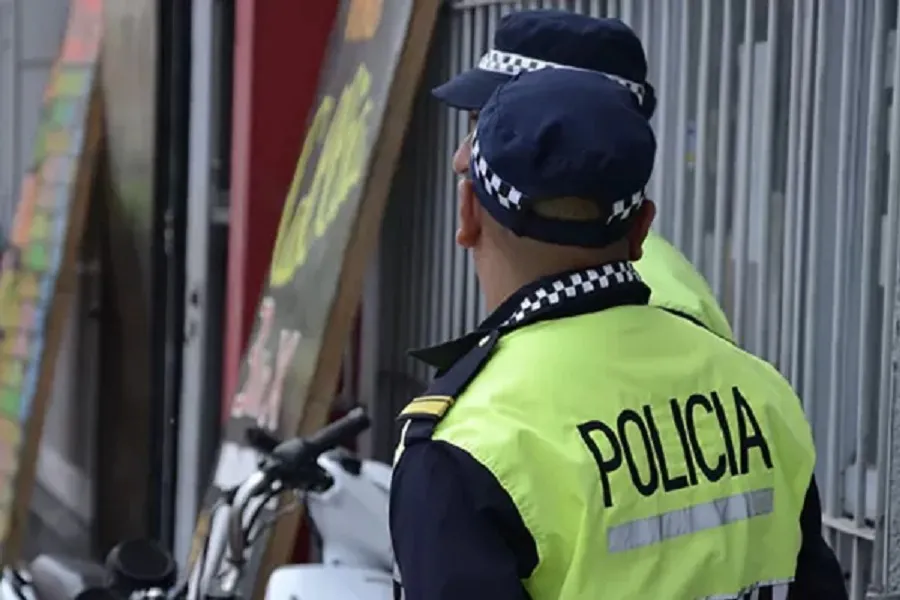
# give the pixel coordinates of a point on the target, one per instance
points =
(692, 519)
(648, 457)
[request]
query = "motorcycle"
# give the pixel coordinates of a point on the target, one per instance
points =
(347, 502)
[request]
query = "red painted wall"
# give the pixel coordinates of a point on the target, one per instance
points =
(279, 47)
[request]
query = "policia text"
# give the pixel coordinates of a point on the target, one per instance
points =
(635, 432)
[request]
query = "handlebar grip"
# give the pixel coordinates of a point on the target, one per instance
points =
(347, 427)
(295, 452)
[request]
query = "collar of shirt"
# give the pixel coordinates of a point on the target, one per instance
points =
(565, 294)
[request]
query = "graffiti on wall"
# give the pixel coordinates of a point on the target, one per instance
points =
(33, 256)
(260, 395)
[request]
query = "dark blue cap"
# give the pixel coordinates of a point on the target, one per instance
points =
(559, 133)
(538, 39)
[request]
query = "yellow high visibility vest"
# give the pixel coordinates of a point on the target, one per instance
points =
(676, 285)
(655, 460)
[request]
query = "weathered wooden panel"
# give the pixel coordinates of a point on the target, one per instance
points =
(38, 268)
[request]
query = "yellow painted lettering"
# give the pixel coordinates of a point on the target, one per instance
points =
(287, 242)
(27, 287)
(340, 127)
(345, 148)
(9, 301)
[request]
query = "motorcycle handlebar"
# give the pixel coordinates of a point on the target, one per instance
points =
(137, 565)
(284, 463)
(296, 452)
(347, 427)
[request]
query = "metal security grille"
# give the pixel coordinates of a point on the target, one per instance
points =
(778, 175)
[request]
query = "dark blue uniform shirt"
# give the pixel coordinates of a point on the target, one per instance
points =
(458, 535)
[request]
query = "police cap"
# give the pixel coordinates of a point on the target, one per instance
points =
(531, 40)
(562, 133)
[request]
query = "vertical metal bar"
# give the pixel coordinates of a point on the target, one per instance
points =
(628, 12)
(868, 274)
(403, 267)
(835, 380)
(453, 124)
(890, 361)
(445, 188)
(187, 449)
(887, 461)
(702, 131)
(455, 290)
(742, 188)
(484, 27)
(417, 214)
(799, 230)
(801, 227)
(871, 217)
(762, 283)
(662, 125)
(388, 327)
(723, 151)
(431, 201)
(595, 9)
(790, 263)
(441, 197)
(679, 206)
(370, 338)
(815, 193)
(647, 39)
(612, 9)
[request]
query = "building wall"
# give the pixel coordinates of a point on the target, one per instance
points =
(30, 35)
(778, 175)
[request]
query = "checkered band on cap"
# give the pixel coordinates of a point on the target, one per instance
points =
(509, 197)
(509, 63)
(623, 209)
(569, 286)
(504, 193)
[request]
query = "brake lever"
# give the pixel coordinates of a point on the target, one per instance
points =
(261, 439)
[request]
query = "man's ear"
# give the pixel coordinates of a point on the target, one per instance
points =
(639, 230)
(469, 231)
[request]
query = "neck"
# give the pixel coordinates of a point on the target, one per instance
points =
(500, 288)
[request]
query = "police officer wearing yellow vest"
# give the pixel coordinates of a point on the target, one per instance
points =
(581, 443)
(537, 39)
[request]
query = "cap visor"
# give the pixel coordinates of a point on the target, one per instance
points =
(469, 90)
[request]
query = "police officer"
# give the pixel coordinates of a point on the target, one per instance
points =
(536, 39)
(582, 444)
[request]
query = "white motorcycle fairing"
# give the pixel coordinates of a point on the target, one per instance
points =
(351, 517)
(320, 582)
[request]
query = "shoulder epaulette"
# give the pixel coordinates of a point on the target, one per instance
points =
(422, 415)
(427, 407)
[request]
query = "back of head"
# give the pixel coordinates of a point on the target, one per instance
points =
(562, 157)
